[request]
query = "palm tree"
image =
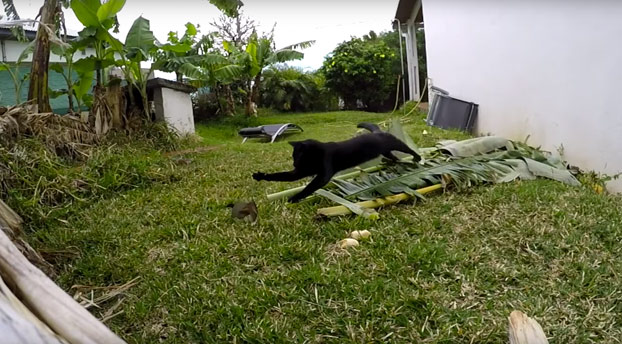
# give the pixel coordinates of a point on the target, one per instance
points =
(290, 89)
(260, 53)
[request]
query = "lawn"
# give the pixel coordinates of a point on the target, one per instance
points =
(446, 270)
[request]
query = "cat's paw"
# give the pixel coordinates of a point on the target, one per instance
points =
(259, 176)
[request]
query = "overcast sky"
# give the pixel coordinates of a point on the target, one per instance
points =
(328, 22)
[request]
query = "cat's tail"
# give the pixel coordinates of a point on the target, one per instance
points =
(369, 126)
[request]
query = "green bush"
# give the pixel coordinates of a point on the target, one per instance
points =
(205, 105)
(361, 72)
(291, 89)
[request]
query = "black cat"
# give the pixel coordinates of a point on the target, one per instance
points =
(324, 159)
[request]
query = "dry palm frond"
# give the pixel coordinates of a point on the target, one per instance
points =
(9, 129)
(101, 113)
(66, 133)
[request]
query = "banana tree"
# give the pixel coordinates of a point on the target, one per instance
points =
(140, 45)
(51, 19)
(213, 70)
(259, 54)
(98, 20)
(210, 69)
(38, 88)
(77, 89)
(175, 49)
(14, 71)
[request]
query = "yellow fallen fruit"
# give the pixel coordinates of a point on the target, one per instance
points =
(348, 242)
(358, 235)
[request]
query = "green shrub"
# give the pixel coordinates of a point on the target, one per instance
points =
(291, 89)
(205, 105)
(361, 72)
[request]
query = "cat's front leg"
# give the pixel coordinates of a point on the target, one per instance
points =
(288, 176)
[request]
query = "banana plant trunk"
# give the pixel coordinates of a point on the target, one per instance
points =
(38, 88)
(229, 101)
(70, 101)
(253, 97)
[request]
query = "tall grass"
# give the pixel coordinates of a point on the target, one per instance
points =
(42, 185)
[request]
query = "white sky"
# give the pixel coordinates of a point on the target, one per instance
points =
(327, 22)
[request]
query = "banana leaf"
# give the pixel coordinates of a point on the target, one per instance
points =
(543, 170)
(353, 207)
(398, 131)
(462, 164)
(495, 167)
(476, 146)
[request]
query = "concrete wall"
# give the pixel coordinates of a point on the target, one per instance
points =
(549, 69)
(175, 108)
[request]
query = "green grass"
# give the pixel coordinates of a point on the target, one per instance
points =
(447, 270)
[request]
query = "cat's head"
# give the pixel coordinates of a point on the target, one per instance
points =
(303, 148)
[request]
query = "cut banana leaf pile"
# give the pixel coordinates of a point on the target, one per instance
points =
(456, 164)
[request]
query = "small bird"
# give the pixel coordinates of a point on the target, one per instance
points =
(246, 211)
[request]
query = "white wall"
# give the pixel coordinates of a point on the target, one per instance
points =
(14, 48)
(175, 108)
(551, 69)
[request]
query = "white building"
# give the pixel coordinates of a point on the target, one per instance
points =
(11, 48)
(547, 69)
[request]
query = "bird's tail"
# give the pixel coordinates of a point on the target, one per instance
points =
(369, 126)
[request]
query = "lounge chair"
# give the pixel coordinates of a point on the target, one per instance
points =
(271, 131)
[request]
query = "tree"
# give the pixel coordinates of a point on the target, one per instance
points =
(230, 8)
(235, 30)
(211, 68)
(291, 89)
(174, 52)
(261, 53)
(361, 70)
(232, 34)
(38, 88)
